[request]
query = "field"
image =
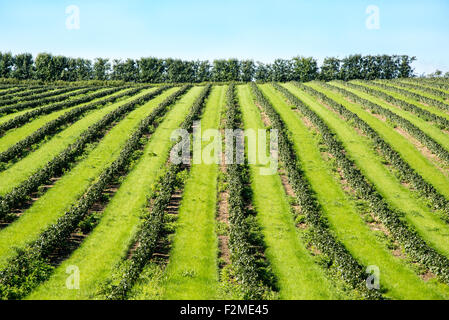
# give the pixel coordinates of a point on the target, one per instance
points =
(94, 206)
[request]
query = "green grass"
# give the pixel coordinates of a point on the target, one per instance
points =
(298, 275)
(10, 116)
(13, 136)
(192, 270)
(435, 110)
(111, 238)
(397, 278)
(429, 226)
(73, 185)
(21, 170)
(416, 90)
(401, 144)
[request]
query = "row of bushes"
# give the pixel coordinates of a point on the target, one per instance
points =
(433, 82)
(67, 157)
(23, 146)
(320, 235)
(20, 92)
(409, 94)
(420, 112)
(16, 281)
(26, 117)
(35, 101)
(37, 96)
(429, 142)
(419, 86)
(244, 252)
(151, 229)
(406, 173)
(413, 244)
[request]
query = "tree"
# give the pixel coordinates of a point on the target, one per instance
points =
(352, 67)
(405, 67)
(83, 70)
(330, 70)
(248, 70)
(151, 70)
(202, 71)
(44, 67)
(281, 70)
(304, 69)
(102, 68)
(23, 66)
(6, 65)
(262, 72)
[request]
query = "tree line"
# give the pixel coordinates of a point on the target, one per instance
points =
(47, 67)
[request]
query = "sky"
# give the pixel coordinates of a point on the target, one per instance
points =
(261, 30)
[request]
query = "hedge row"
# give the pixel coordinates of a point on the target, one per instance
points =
(420, 87)
(434, 83)
(243, 250)
(430, 143)
(151, 229)
(406, 173)
(67, 157)
(26, 117)
(22, 91)
(422, 113)
(321, 236)
(413, 244)
(17, 281)
(23, 146)
(13, 105)
(412, 95)
(35, 94)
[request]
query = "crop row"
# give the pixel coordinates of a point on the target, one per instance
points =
(26, 117)
(36, 100)
(242, 250)
(63, 160)
(435, 83)
(406, 173)
(23, 265)
(418, 97)
(38, 93)
(22, 147)
(21, 91)
(351, 271)
(151, 229)
(419, 86)
(422, 113)
(433, 145)
(413, 244)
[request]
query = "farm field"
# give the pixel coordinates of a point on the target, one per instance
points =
(93, 204)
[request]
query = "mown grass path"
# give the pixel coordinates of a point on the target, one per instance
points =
(429, 226)
(10, 116)
(299, 277)
(110, 240)
(437, 111)
(21, 170)
(72, 185)
(15, 135)
(192, 269)
(400, 143)
(397, 278)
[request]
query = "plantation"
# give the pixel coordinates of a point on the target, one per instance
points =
(94, 206)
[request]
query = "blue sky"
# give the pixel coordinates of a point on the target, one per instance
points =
(258, 29)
